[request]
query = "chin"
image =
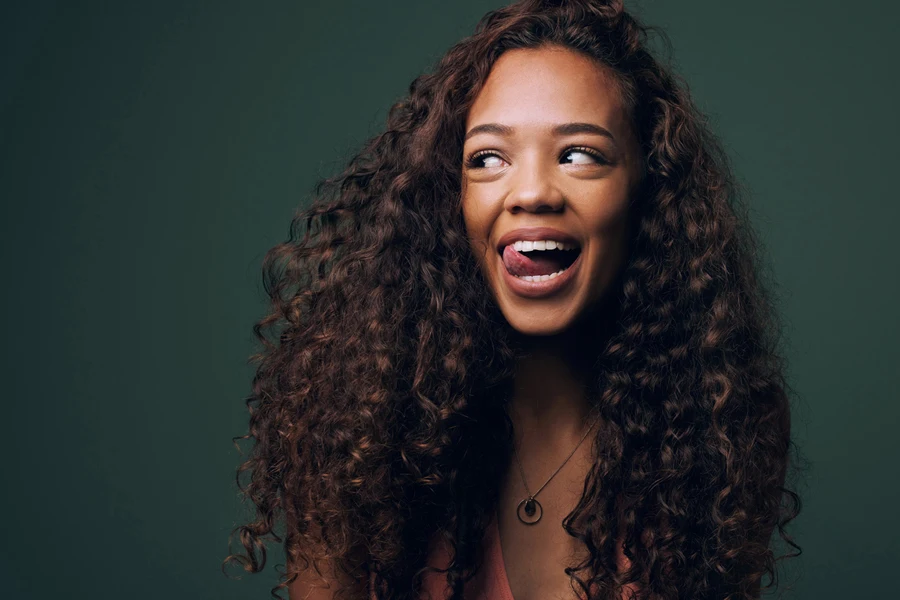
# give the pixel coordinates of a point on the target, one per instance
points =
(539, 323)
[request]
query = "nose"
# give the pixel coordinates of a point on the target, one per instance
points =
(534, 189)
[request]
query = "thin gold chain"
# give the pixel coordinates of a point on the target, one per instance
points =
(522, 471)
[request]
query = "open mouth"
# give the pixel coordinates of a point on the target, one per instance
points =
(539, 260)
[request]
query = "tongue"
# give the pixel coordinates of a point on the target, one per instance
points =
(534, 263)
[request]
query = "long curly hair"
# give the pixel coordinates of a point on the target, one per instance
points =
(378, 412)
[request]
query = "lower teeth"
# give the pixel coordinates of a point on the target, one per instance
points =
(540, 277)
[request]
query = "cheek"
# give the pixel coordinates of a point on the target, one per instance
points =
(604, 207)
(609, 228)
(607, 222)
(477, 218)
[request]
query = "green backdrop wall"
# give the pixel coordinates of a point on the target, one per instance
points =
(153, 151)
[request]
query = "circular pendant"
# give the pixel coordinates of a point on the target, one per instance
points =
(529, 511)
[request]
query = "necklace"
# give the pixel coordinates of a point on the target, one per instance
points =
(529, 510)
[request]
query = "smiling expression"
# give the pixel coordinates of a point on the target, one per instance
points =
(548, 145)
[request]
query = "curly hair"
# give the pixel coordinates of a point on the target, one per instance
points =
(378, 412)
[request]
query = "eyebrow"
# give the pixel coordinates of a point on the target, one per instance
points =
(563, 129)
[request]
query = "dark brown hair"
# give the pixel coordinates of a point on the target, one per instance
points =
(378, 410)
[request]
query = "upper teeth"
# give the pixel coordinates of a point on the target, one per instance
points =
(528, 246)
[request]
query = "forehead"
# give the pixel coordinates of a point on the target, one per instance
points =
(551, 84)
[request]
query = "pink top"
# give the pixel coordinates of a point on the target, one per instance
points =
(489, 583)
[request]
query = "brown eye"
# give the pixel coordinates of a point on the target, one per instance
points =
(484, 160)
(582, 156)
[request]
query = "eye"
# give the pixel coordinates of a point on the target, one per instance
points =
(583, 156)
(484, 159)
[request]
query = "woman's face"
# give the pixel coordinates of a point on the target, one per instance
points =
(549, 157)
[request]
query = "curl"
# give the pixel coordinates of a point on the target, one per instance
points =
(378, 410)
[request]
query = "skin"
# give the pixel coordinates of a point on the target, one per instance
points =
(527, 173)
(533, 178)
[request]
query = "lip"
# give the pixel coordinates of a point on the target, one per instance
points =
(536, 233)
(540, 289)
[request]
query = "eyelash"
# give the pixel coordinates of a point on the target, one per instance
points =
(471, 161)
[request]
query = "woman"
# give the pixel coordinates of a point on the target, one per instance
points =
(519, 348)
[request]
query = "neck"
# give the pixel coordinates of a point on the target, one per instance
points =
(552, 396)
(551, 399)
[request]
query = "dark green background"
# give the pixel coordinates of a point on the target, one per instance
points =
(152, 152)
